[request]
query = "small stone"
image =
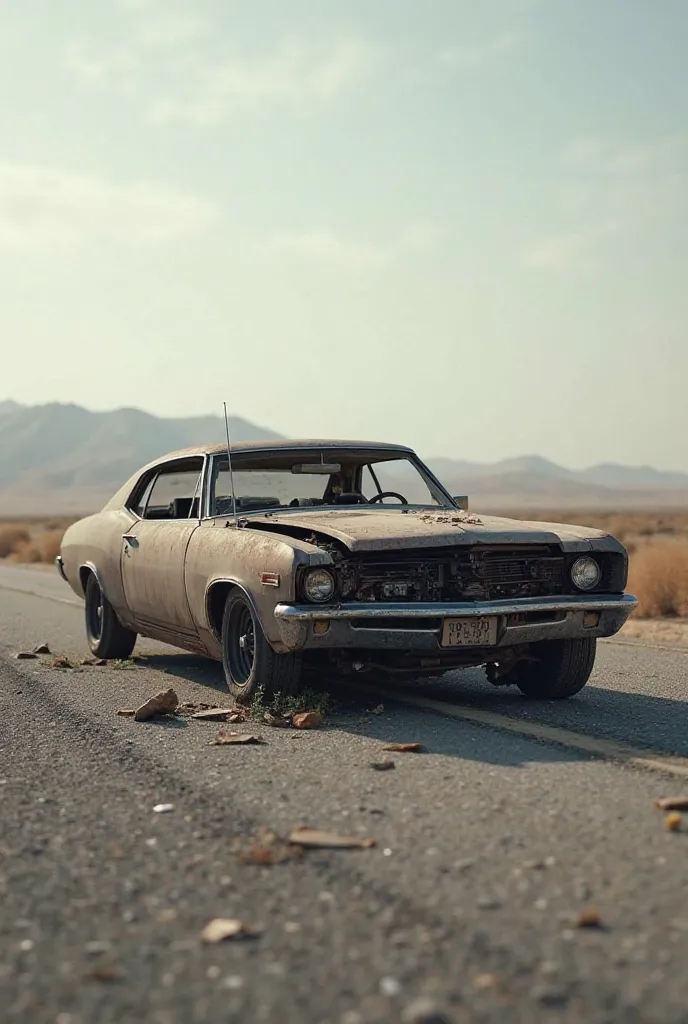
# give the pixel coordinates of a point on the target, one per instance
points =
(389, 987)
(232, 982)
(25, 655)
(213, 972)
(382, 766)
(673, 821)
(97, 947)
(425, 1011)
(26, 945)
(163, 808)
(489, 903)
(589, 917)
(41, 649)
(483, 982)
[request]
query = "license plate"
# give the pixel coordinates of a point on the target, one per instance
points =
(475, 632)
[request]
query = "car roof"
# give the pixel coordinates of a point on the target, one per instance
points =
(282, 445)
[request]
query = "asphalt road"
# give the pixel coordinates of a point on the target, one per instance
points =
(487, 847)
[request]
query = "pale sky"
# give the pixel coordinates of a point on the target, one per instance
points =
(461, 226)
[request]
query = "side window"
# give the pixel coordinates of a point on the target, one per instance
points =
(174, 493)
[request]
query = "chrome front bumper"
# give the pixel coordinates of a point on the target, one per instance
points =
(60, 568)
(417, 626)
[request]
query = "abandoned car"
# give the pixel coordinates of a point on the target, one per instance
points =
(347, 556)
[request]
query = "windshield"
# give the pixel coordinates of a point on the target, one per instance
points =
(304, 478)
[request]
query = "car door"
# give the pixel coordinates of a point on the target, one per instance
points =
(154, 549)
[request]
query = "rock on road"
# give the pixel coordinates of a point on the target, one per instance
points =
(487, 847)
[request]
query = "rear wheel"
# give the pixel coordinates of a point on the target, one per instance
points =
(562, 668)
(106, 635)
(249, 661)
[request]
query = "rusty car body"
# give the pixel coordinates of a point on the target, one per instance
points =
(298, 553)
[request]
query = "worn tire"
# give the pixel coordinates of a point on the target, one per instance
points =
(249, 661)
(562, 669)
(106, 636)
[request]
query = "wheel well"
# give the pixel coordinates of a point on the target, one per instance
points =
(216, 601)
(84, 573)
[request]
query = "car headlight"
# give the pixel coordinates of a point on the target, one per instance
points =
(585, 573)
(318, 585)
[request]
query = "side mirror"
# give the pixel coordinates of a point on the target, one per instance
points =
(461, 500)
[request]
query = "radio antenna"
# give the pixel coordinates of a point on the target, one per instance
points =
(229, 460)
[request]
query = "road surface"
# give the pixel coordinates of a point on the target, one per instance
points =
(488, 845)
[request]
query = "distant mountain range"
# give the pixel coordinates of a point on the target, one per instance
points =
(60, 458)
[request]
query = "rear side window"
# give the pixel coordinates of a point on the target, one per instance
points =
(172, 493)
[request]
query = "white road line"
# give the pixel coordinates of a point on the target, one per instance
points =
(608, 749)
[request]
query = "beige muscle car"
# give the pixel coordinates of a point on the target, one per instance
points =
(347, 555)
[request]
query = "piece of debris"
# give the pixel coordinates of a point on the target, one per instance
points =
(239, 715)
(221, 928)
(307, 719)
(163, 703)
(189, 708)
(379, 710)
(382, 766)
(61, 661)
(404, 748)
(672, 803)
(224, 738)
(42, 649)
(213, 714)
(276, 721)
(268, 849)
(106, 973)
(127, 712)
(328, 840)
(425, 1011)
(673, 821)
(163, 808)
(25, 655)
(482, 982)
(589, 917)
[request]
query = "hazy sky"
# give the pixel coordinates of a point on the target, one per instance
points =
(458, 225)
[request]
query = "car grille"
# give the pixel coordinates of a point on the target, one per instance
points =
(473, 573)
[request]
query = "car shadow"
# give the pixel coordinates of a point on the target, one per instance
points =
(642, 720)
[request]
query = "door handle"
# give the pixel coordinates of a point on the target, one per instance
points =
(130, 538)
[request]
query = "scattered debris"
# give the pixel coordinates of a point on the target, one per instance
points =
(672, 803)
(224, 738)
(61, 661)
(673, 821)
(379, 710)
(389, 987)
(163, 808)
(163, 703)
(307, 719)
(382, 766)
(276, 721)
(589, 917)
(404, 748)
(221, 928)
(328, 840)
(268, 849)
(189, 708)
(122, 663)
(239, 715)
(42, 649)
(93, 661)
(213, 714)
(25, 655)
(128, 712)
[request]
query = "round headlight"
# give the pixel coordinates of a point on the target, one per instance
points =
(585, 573)
(319, 585)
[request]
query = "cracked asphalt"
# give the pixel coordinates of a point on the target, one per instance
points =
(487, 847)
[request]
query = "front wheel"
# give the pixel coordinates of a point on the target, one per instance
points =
(107, 637)
(251, 666)
(559, 669)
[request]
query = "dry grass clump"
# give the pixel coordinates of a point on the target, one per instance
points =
(12, 537)
(32, 542)
(658, 577)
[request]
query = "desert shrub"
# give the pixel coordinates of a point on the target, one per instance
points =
(659, 579)
(12, 537)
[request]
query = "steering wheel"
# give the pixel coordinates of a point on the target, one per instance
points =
(388, 494)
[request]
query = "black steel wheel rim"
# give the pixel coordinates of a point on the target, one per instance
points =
(94, 611)
(241, 643)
